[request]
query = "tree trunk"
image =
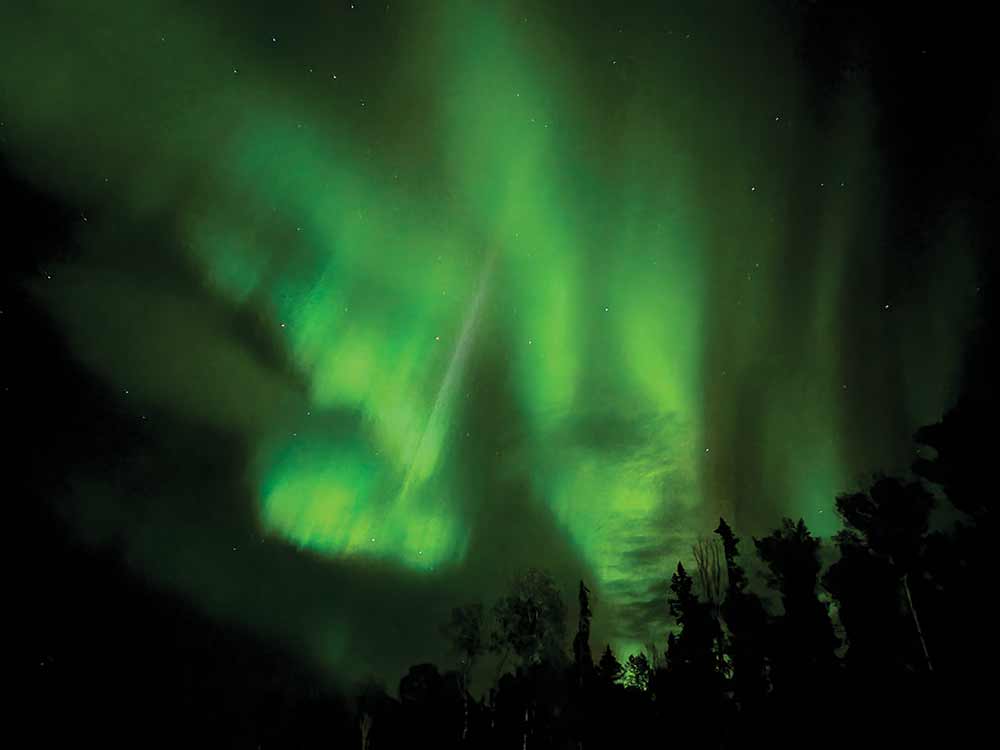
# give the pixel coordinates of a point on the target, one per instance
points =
(465, 705)
(365, 724)
(916, 622)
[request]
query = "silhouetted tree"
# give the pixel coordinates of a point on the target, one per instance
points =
(746, 621)
(656, 660)
(420, 684)
(692, 650)
(963, 463)
(736, 578)
(691, 685)
(530, 621)
(711, 572)
(891, 517)
(365, 727)
(682, 603)
(372, 705)
(582, 657)
(956, 573)
(867, 592)
(465, 634)
(431, 703)
(805, 643)
(609, 669)
(891, 520)
(464, 631)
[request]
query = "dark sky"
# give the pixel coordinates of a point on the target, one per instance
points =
(330, 316)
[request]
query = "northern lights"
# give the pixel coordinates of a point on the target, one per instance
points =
(473, 286)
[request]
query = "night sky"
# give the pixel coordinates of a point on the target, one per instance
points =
(331, 315)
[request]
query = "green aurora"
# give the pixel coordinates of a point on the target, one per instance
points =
(541, 290)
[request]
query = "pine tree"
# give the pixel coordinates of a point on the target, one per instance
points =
(746, 621)
(609, 668)
(683, 601)
(736, 577)
(583, 659)
(806, 645)
(692, 651)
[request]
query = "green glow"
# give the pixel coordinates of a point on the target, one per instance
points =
(325, 497)
(634, 249)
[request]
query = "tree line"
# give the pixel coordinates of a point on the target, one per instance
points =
(892, 643)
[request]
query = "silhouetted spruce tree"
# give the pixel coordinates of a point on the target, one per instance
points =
(805, 644)
(746, 620)
(582, 658)
(609, 669)
(691, 651)
(683, 601)
(691, 686)
(735, 576)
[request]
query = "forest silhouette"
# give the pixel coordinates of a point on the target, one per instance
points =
(891, 644)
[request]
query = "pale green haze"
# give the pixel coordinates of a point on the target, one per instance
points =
(526, 288)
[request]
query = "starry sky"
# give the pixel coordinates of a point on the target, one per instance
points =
(396, 299)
